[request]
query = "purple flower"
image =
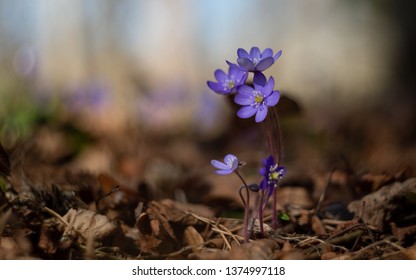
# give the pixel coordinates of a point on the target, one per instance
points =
(272, 174)
(228, 84)
(228, 166)
(256, 61)
(256, 100)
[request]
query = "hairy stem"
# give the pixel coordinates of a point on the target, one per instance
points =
(261, 206)
(246, 206)
(279, 160)
(279, 137)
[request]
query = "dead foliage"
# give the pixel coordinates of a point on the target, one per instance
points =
(153, 205)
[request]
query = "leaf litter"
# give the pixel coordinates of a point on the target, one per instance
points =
(152, 205)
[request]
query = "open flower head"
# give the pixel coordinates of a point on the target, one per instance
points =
(228, 166)
(256, 60)
(272, 174)
(256, 100)
(228, 83)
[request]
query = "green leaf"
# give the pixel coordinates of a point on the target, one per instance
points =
(284, 216)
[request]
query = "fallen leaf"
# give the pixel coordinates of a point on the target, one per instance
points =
(49, 237)
(261, 249)
(388, 204)
(161, 228)
(87, 224)
(317, 225)
(193, 238)
(376, 181)
(411, 253)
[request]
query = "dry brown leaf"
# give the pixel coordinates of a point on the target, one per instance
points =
(317, 225)
(156, 236)
(376, 181)
(155, 226)
(211, 254)
(160, 226)
(18, 247)
(411, 253)
(198, 209)
(402, 232)
(87, 224)
(386, 204)
(287, 247)
(193, 238)
(216, 243)
(8, 248)
(49, 237)
(261, 249)
(291, 255)
(328, 256)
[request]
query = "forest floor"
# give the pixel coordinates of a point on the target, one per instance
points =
(162, 200)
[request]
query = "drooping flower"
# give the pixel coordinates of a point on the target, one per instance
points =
(272, 174)
(228, 166)
(228, 84)
(256, 100)
(255, 60)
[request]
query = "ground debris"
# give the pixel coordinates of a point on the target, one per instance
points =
(388, 204)
(64, 213)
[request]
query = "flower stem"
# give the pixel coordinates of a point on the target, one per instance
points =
(261, 206)
(279, 136)
(246, 206)
(274, 214)
(279, 160)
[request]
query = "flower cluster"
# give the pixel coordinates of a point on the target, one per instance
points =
(256, 100)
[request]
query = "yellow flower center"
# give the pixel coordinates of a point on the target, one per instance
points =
(259, 98)
(230, 84)
(275, 175)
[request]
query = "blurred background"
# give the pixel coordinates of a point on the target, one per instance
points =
(74, 72)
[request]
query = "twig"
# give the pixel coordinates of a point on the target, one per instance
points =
(175, 253)
(376, 244)
(289, 238)
(345, 237)
(322, 242)
(222, 230)
(232, 235)
(338, 234)
(97, 203)
(235, 237)
(99, 253)
(332, 222)
(215, 226)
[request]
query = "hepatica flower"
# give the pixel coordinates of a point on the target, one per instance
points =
(228, 83)
(256, 60)
(272, 174)
(256, 100)
(228, 166)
